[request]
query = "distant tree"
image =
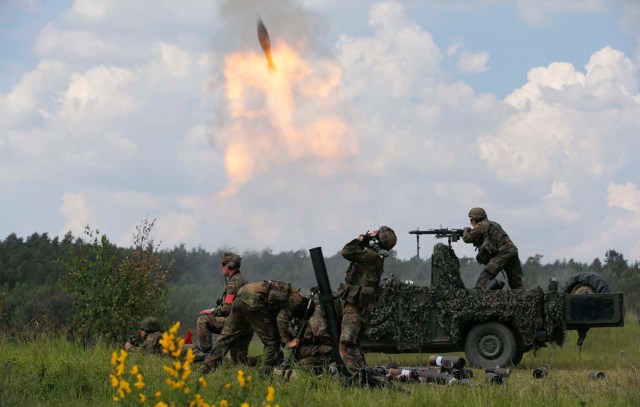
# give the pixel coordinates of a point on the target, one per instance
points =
(614, 263)
(596, 266)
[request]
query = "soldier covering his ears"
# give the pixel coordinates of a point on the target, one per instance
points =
(359, 292)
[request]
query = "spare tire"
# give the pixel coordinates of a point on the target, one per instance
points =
(587, 283)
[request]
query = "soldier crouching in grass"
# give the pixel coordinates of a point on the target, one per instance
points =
(495, 250)
(211, 320)
(359, 293)
(151, 333)
(266, 307)
(315, 351)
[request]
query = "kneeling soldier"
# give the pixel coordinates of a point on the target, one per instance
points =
(267, 308)
(212, 320)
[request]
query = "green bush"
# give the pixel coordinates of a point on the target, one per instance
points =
(112, 293)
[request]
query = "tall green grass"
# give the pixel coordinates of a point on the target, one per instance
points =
(50, 371)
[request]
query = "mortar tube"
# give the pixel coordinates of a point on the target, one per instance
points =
(325, 296)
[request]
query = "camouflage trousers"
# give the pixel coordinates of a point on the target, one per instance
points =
(508, 261)
(240, 326)
(354, 322)
(207, 326)
(316, 357)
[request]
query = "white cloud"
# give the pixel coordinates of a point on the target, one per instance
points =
(470, 62)
(567, 121)
(625, 197)
(174, 59)
(92, 10)
(559, 202)
(81, 43)
(76, 212)
(99, 92)
(34, 95)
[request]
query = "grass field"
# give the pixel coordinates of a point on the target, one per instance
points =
(50, 371)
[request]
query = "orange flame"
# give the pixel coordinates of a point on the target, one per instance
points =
(280, 116)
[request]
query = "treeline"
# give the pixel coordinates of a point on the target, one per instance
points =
(35, 276)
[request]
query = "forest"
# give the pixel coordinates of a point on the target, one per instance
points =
(41, 278)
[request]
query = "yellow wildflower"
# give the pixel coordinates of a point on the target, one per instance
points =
(171, 371)
(114, 358)
(227, 386)
(114, 380)
(241, 379)
(161, 404)
(190, 357)
(244, 405)
(271, 393)
(224, 403)
(140, 383)
(187, 390)
(143, 398)
(134, 370)
(158, 394)
(202, 381)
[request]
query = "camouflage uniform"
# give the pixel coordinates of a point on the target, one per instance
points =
(359, 294)
(315, 350)
(496, 251)
(150, 344)
(214, 322)
(265, 307)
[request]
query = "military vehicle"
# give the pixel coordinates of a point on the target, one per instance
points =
(493, 328)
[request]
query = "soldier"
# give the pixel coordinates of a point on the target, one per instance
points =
(266, 307)
(151, 334)
(495, 250)
(315, 350)
(211, 320)
(362, 283)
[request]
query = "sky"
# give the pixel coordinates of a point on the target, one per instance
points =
(405, 114)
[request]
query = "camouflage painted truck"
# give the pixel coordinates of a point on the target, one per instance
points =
(491, 327)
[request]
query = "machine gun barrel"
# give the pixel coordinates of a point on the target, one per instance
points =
(452, 235)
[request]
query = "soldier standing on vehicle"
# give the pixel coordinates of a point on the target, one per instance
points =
(359, 293)
(151, 333)
(495, 249)
(212, 320)
(266, 307)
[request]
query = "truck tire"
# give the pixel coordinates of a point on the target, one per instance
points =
(587, 283)
(491, 344)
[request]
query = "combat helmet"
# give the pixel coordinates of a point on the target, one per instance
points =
(150, 324)
(232, 259)
(477, 214)
(387, 237)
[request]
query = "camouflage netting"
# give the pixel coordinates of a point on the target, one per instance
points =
(400, 316)
(408, 315)
(554, 317)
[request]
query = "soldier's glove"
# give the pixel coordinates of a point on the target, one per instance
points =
(218, 302)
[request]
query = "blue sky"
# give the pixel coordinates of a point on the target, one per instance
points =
(399, 113)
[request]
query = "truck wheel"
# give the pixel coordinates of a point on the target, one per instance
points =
(491, 344)
(587, 283)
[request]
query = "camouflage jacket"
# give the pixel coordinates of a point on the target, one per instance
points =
(276, 298)
(316, 330)
(366, 265)
(235, 282)
(489, 238)
(150, 344)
